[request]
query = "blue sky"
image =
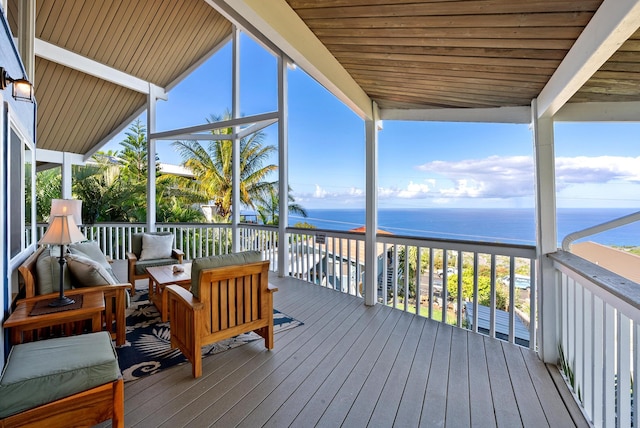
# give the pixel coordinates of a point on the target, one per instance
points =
(421, 164)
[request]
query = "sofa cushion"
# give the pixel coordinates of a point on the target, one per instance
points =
(136, 241)
(90, 250)
(142, 265)
(219, 261)
(88, 273)
(40, 372)
(48, 273)
(156, 246)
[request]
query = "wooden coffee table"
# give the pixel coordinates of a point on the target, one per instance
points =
(20, 321)
(159, 278)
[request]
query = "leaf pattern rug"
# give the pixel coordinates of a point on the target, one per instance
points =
(148, 347)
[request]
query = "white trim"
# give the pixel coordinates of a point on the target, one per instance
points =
(599, 112)
(278, 23)
(170, 135)
(70, 59)
(55, 157)
(489, 115)
(612, 24)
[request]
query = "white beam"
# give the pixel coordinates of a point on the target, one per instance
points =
(599, 112)
(52, 156)
(169, 135)
(277, 22)
(70, 59)
(612, 24)
(488, 115)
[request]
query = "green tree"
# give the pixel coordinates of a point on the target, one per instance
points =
(48, 187)
(211, 165)
(268, 206)
(484, 288)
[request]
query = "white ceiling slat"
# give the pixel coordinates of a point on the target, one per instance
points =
(483, 115)
(612, 24)
(70, 59)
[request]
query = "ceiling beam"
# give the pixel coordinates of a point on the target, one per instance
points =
(599, 112)
(277, 22)
(486, 115)
(83, 64)
(612, 24)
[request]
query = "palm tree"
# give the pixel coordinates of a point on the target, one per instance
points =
(268, 206)
(212, 167)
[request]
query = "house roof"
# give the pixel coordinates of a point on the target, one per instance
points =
(616, 260)
(95, 61)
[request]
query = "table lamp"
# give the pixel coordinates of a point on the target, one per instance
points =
(62, 231)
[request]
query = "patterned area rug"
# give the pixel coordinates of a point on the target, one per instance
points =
(148, 350)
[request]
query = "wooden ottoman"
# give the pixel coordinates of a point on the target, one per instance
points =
(59, 382)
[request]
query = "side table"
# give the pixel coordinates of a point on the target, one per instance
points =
(20, 321)
(161, 276)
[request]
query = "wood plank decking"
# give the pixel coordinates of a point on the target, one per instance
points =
(352, 365)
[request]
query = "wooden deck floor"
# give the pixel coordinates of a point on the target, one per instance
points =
(352, 365)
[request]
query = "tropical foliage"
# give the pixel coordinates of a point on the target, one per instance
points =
(113, 186)
(211, 165)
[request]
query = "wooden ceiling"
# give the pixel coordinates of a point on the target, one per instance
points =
(404, 54)
(153, 40)
(469, 54)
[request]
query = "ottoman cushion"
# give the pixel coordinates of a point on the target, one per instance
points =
(40, 372)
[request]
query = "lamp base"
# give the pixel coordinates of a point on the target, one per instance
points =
(61, 301)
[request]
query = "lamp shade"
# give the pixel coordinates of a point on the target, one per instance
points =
(66, 207)
(62, 231)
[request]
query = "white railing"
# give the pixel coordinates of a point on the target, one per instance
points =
(194, 239)
(476, 280)
(599, 321)
(467, 284)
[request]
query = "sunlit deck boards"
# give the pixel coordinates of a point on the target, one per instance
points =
(354, 365)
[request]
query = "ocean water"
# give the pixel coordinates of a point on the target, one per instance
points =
(512, 226)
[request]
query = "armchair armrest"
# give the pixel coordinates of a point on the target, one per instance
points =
(131, 257)
(177, 254)
(184, 297)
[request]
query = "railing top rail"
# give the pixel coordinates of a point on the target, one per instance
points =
(621, 291)
(527, 251)
(602, 227)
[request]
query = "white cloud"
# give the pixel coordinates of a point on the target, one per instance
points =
(319, 193)
(598, 169)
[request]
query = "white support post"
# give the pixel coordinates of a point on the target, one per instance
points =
(151, 159)
(235, 162)
(371, 209)
(27, 35)
(283, 166)
(66, 176)
(546, 236)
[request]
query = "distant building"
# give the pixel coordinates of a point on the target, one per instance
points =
(617, 261)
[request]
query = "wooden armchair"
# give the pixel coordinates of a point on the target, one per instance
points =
(232, 300)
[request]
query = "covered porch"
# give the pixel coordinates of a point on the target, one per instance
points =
(357, 365)
(355, 361)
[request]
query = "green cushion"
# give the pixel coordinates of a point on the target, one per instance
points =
(40, 372)
(48, 273)
(88, 273)
(90, 250)
(136, 241)
(142, 265)
(219, 261)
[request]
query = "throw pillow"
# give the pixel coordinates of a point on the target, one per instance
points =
(156, 246)
(48, 273)
(90, 250)
(219, 261)
(87, 272)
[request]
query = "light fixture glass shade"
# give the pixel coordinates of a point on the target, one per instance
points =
(66, 207)
(22, 90)
(62, 231)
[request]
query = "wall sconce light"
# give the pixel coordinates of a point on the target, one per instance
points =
(22, 88)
